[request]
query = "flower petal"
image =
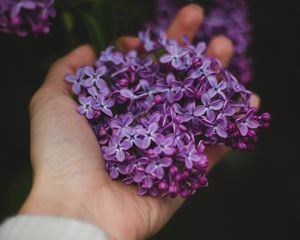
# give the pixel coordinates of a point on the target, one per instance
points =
(243, 129)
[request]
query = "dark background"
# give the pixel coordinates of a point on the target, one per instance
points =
(251, 195)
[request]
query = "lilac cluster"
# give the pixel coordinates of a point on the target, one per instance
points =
(153, 113)
(25, 16)
(228, 18)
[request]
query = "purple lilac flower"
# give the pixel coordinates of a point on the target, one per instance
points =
(217, 127)
(190, 155)
(75, 80)
(116, 149)
(247, 122)
(119, 124)
(168, 88)
(86, 106)
(153, 120)
(149, 134)
(174, 56)
(25, 16)
(164, 145)
(93, 77)
(148, 43)
(103, 104)
(157, 165)
(216, 88)
(115, 169)
(109, 56)
(202, 71)
(209, 107)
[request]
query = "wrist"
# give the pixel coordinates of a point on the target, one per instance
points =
(49, 198)
(48, 201)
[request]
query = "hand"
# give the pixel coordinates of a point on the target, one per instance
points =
(69, 174)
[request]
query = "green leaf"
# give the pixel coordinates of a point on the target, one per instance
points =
(93, 28)
(68, 21)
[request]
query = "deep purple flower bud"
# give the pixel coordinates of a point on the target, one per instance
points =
(172, 188)
(203, 181)
(266, 116)
(185, 193)
(178, 177)
(102, 131)
(157, 99)
(251, 133)
(163, 185)
(173, 170)
(242, 146)
(123, 82)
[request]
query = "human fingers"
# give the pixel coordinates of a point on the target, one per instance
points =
(221, 48)
(186, 23)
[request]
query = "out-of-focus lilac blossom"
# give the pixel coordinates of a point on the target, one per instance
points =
(146, 38)
(223, 17)
(26, 16)
(110, 56)
(153, 120)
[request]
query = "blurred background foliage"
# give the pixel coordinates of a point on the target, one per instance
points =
(252, 195)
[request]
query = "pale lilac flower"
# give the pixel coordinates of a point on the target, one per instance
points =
(132, 136)
(164, 145)
(116, 148)
(217, 127)
(203, 70)
(120, 123)
(75, 80)
(145, 179)
(168, 88)
(115, 169)
(86, 107)
(246, 122)
(183, 88)
(209, 107)
(146, 39)
(189, 155)
(216, 88)
(93, 77)
(103, 104)
(149, 134)
(109, 56)
(174, 55)
(156, 166)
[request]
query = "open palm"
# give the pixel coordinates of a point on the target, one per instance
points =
(69, 173)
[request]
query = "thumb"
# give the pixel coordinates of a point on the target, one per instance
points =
(83, 55)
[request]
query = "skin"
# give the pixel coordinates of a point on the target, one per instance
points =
(69, 174)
